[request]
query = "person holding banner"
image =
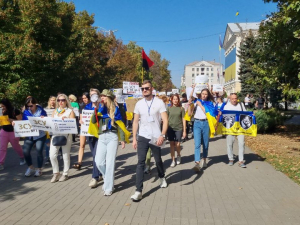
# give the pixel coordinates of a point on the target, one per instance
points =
(63, 110)
(51, 106)
(92, 140)
(176, 127)
(7, 132)
(107, 124)
(34, 110)
(234, 105)
(202, 106)
(87, 105)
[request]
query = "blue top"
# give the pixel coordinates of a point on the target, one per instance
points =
(89, 106)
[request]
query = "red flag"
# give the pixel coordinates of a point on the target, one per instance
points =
(147, 63)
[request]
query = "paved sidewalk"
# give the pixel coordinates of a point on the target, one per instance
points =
(220, 195)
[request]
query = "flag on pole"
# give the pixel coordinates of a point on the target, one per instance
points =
(237, 13)
(147, 63)
(220, 43)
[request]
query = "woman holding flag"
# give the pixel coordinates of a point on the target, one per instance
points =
(204, 123)
(108, 126)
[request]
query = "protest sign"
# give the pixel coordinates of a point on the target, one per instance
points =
(162, 93)
(66, 126)
(130, 87)
(175, 91)
(49, 112)
(217, 87)
(39, 123)
(1, 112)
(76, 111)
(4, 120)
(86, 118)
(130, 104)
(201, 83)
(23, 128)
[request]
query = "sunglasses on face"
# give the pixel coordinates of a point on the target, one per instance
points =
(145, 89)
(233, 93)
(61, 100)
(29, 106)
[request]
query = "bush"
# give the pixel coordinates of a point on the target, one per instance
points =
(268, 120)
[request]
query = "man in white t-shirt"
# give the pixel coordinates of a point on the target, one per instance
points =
(247, 101)
(148, 113)
(234, 105)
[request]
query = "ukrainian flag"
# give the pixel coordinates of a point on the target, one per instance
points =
(237, 123)
(211, 113)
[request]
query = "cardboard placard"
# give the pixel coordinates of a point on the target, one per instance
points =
(86, 118)
(39, 123)
(66, 126)
(130, 104)
(218, 88)
(175, 91)
(130, 87)
(76, 111)
(23, 128)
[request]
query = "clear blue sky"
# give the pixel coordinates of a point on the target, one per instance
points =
(168, 20)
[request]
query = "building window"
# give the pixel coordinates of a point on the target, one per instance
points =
(212, 74)
(197, 69)
(212, 69)
(207, 69)
(202, 73)
(193, 75)
(207, 74)
(202, 69)
(193, 81)
(197, 74)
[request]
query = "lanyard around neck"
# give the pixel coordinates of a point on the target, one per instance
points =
(149, 107)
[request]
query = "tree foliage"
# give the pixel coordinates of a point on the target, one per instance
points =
(46, 47)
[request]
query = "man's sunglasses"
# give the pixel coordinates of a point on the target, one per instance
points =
(61, 100)
(145, 88)
(233, 93)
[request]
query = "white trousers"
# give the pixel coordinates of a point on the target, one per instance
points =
(241, 141)
(66, 155)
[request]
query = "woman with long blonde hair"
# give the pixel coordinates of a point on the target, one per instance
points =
(107, 147)
(63, 110)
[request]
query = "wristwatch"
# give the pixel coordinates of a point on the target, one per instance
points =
(164, 136)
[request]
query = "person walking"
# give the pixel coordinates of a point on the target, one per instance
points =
(7, 134)
(234, 105)
(63, 110)
(51, 105)
(201, 126)
(92, 140)
(108, 120)
(149, 112)
(34, 110)
(176, 128)
(247, 101)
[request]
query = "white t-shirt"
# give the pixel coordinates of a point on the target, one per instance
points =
(238, 107)
(247, 100)
(150, 117)
(199, 114)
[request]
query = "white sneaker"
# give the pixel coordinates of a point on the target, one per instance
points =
(29, 172)
(163, 182)
(55, 177)
(137, 196)
(203, 164)
(22, 161)
(93, 183)
(173, 163)
(38, 173)
(178, 160)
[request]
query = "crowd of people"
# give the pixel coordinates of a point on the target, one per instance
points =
(156, 118)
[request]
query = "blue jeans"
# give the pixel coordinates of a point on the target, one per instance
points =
(47, 148)
(93, 147)
(105, 158)
(39, 145)
(201, 136)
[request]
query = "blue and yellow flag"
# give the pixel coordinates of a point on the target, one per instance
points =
(220, 43)
(211, 114)
(237, 123)
(237, 13)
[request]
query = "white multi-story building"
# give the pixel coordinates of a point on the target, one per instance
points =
(212, 69)
(235, 34)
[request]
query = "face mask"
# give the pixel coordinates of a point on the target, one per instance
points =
(94, 98)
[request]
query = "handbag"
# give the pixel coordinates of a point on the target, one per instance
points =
(59, 140)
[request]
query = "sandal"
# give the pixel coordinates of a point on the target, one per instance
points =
(77, 166)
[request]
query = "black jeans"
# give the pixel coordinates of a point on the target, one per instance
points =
(39, 145)
(93, 141)
(142, 149)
